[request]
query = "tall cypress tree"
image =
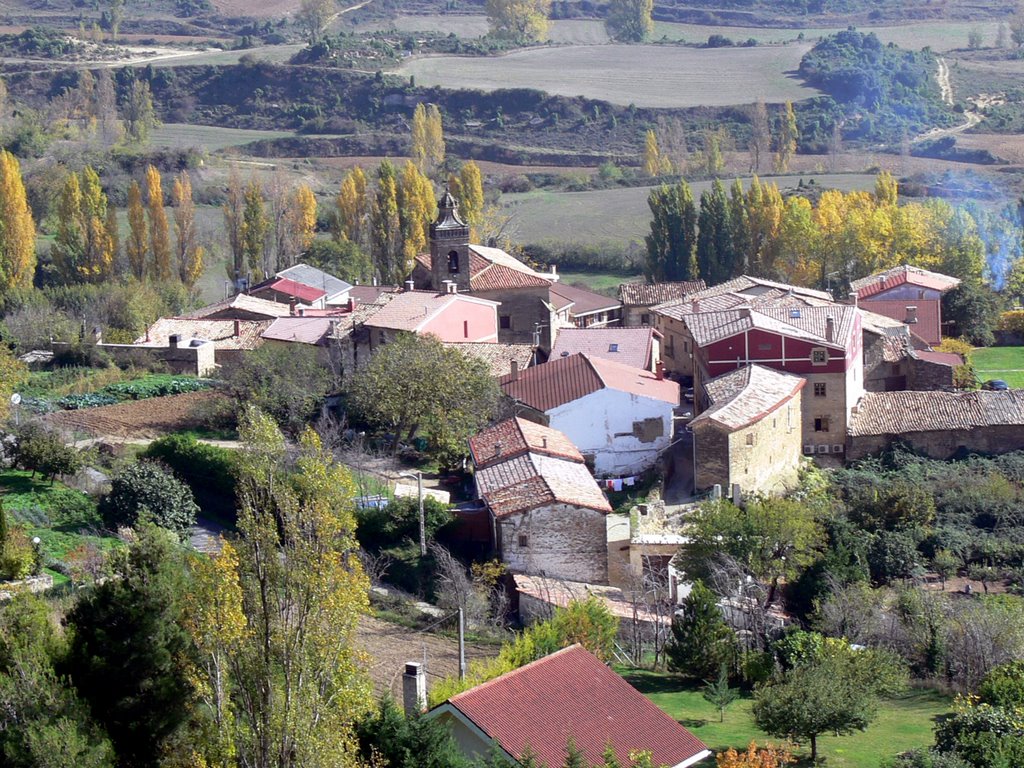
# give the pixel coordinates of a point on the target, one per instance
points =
(673, 236)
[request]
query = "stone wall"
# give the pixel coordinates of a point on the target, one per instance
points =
(187, 360)
(559, 541)
(525, 309)
(926, 375)
(943, 444)
(676, 347)
(880, 375)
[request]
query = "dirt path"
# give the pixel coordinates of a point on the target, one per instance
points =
(971, 119)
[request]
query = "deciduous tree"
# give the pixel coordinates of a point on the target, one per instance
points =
(760, 135)
(254, 230)
(353, 208)
(787, 138)
(146, 490)
(416, 209)
(159, 236)
(138, 113)
(671, 243)
(651, 159)
(385, 227)
(138, 237)
(18, 231)
(234, 223)
(313, 17)
(715, 255)
(768, 756)
(523, 21)
(629, 21)
(189, 254)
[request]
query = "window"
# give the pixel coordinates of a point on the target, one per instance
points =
(821, 424)
(645, 319)
(750, 438)
(613, 347)
(505, 322)
(819, 389)
(524, 541)
(819, 356)
(453, 262)
(465, 328)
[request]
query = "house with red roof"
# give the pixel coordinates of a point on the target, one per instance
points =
(547, 513)
(450, 316)
(620, 417)
(636, 347)
(908, 294)
(287, 291)
(569, 694)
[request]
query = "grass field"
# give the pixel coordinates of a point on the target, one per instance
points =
(902, 723)
(647, 76)
(602, 282)
(210, 138)
(1006, 363)
(618, 215)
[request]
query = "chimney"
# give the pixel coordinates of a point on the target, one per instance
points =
(302, 311)
(97, 334)
(414, 689)
(830, 329)
(410, 285)
(291, 305)
(744, 311)
(911, 315)
(543, 441)
(375, 280)
(355, 281)
(497, 449)
(852, 299)
(238, 328)
(172, 340)
(351, 304)
(332, 328)
(696, 306)
(451, 287)
(515, 370)
(659, 371)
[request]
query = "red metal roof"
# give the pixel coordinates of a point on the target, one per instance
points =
(571, 693)
(291, 288)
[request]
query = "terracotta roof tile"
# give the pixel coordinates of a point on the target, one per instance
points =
(408, 310)
(629, 346)
(241, 307)
(928, 325)
(565, 379)
(741, 397)
(368, 294)
(301, 330)
(572, 693)
(807, 323)
(895, 413)
(514, 437)
(752, 286)
(649, 294)
(941, 358)
(890, 278)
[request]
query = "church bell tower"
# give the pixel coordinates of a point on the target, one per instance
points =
(449, 246)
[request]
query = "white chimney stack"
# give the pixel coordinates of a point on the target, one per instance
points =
(414, 689)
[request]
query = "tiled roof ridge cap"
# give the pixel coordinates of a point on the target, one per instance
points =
(514, 672)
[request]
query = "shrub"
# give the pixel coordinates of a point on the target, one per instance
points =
(399, 520)
(40, 450)
(146, 489)
(198, 464)
(1003, 686)
(18, 558)
(1012, 321)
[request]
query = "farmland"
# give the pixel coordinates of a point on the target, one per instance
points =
(939, 36)
(647, 76)
(210, 138)
(620, 215)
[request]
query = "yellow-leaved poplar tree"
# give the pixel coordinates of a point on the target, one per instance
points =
(17, 229)
(416, 208)
(113, 232)
(255, 228)
(138, 238)
(159, 235)
(353, 208)
(302, 217)
(524, 21)
(68, 249)
(471, 196)
(98, 258)
(189, 254)
(789, 134)
(652, 156)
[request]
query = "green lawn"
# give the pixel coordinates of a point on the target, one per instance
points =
(902, 723)
(61, 517)
(1006, 363)
(600, 282)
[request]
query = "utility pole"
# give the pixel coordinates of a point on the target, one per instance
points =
(462, 645)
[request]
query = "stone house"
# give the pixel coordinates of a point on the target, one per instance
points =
(638, 298)
(750, 434)
(570, 694)
(938, 424)
(585, 309)
(908, 294)
(450, 316)
(546, 510)
(242, 306)
(618, 416)
(209, 344)
(635, 347)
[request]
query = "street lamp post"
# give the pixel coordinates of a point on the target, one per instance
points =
(418, 476)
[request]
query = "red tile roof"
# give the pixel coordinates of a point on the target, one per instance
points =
(288, 287)
(514, 437)
(649, 294)
(367, 294)
(533, 480)
(629, 346)
(565, 379)
(573, 694)
(496, 356)
(883, 281)
(408, 310)
(491, 269)
(741, 397)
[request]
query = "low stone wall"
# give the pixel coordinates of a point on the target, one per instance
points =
(41, 583)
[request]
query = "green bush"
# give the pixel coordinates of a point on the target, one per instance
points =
(40, 450)
(18, 558)
(1003, 686)
(147, 490)
(198, 464)
(399, 521)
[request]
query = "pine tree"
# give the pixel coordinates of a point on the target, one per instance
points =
(715, 256)
(719, 694)
(385, 227)
(788, 137)
(159, 236)
(701, 641)
(353, 208)
(574, 757)
(255, 227)
(651, 157)
(138, 238)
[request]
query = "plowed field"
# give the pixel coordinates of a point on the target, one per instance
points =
(139, 418)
